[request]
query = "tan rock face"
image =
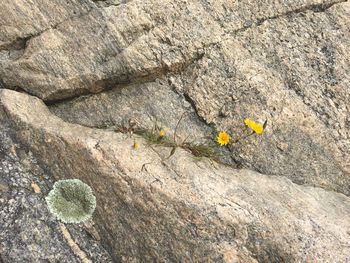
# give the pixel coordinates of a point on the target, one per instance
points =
(20, 19)
(176, 209)
(121, 42)
(147, 104)
(28, 231)
(96, 62)
(294, 72)
(288, 66)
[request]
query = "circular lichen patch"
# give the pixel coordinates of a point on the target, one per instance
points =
(71, 201)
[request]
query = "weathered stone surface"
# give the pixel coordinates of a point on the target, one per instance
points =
(21, 19)
(221, 61)
(176, 209)
(289, 67)
(28, 232)
(124, 42)
(294, 72)
(116, 44)
(146, 104)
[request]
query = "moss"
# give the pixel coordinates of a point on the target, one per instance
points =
(71, 201)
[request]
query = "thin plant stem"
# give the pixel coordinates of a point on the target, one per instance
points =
(177, 125)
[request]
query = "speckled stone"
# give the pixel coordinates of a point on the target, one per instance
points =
(28, 232)
(155, 209)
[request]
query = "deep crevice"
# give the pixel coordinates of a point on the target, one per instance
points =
(21, 43)
(107, 3)
(108, 84)
(193, 105)
(18, 44)
(317, 8)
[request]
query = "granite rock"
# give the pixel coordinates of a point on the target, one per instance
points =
(289, 68)
(150, 208)
(91, 63)
(28, 232)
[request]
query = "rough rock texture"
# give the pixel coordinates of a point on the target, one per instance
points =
(146, 104)
(177, 209)
(220, 61)
(122, 43)
(21, 20)
(294, 72)
(28, 232)
(288, 66)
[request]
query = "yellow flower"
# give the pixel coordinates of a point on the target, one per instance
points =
(135, 145)
(223, 138)
(256, 127)
(161, 133)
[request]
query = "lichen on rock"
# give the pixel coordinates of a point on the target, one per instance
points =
(71, 201)
(99, 64)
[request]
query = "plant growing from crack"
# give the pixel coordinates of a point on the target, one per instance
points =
(157, 136)
(211, 149)
(71, 201)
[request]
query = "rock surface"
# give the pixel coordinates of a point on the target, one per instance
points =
(288, 66)
(104, 63)
(146, 104)
(292, 71)
(122, 42)
(28, 232)
(176, 209)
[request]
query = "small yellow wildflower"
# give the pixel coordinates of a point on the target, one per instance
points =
(223, 138)
(161, 133)
(135, 145)
(256, 127)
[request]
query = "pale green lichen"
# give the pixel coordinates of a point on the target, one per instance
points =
(71, 201)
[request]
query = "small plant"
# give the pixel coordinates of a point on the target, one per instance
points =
(162, 133)
(199, 150)
(223, 138)
(256, 127)
(135, 145)
(103, 125)
(71, 201)
(211, 148)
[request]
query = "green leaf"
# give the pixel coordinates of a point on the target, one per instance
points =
(172, 152)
